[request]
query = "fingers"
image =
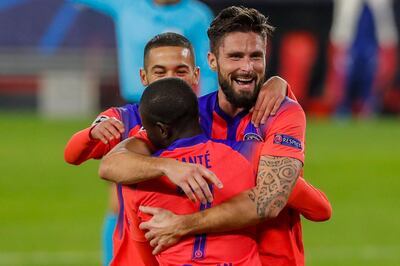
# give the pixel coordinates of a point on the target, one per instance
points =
(158, 249)
(149, 210)
(198, 191)
(269, 104)
(278, 103)
(149, 236)
(259, 111)
(188, 191)
(108, 130)
(118, 125)
(256, 109)
(154, 242)
(210, 176)
(205, 189)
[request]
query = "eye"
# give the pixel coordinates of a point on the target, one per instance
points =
(182, 72)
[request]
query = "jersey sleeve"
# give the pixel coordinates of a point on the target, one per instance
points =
(285, 132)
(81, 147)
(290, 93)
(310, 201)
(108, 7)
(142, 135)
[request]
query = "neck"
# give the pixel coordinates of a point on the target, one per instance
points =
(187, 132)
(226, 106)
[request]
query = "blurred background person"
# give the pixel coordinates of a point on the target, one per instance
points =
(136, 22)
(363, 56)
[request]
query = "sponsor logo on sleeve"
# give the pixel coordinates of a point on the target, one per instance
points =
(100, 119)
(286, 140)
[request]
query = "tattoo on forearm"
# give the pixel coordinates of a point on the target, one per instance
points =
(275, 180)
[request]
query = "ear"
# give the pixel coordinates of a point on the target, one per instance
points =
(196, 76)
(165, 131)
(212, 61)
(143, 77)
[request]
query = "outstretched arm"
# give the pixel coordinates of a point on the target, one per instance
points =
(310, 202)
(95, 141)
(129, 163)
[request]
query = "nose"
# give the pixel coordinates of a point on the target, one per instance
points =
(170, 74)
(247, 65)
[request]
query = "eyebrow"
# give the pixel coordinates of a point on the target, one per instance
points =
(235, 53)
(163, 67)
(158, 66)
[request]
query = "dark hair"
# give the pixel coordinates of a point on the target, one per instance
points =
(170, 101)
(168, 39)
(237, 19)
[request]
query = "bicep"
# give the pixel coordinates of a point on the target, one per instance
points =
(132, 144)
(276, 177)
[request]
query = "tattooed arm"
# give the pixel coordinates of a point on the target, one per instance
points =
(275, 180)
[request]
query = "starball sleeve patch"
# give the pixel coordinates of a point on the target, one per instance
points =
(286, 140)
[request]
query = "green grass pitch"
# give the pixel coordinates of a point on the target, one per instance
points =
(51, 213)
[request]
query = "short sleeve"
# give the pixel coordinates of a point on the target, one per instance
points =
(285, 133)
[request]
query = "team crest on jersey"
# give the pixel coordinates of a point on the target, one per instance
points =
(252, 136)
(286, 140)
(100, 119)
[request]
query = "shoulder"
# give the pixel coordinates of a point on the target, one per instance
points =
(290, 111)
(245, 148)
(128, 108)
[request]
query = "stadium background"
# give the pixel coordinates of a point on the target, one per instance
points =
(51, 212)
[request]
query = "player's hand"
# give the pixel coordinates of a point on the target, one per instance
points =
(107, 130)
(269, 99)
(192, 178)
(163, 229)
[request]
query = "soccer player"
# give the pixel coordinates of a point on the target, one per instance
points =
(170, 115)
(238, 53)
(166, 55)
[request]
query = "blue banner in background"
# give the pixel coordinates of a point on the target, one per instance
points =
(48, 25)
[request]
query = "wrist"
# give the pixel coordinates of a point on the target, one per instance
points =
(91, 137)
(163, 165)
(188, 225)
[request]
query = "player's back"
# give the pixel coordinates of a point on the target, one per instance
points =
(237, 175)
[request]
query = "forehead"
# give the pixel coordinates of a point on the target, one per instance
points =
(242, 42)
(169, 56)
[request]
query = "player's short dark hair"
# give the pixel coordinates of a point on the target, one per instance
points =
(168, 39)
(237, 19)
(170, 101)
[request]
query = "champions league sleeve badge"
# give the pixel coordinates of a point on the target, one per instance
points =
(100, 119)
(286, 140)
(252, 136)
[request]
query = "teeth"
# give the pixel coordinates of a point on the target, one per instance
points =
(244, 80)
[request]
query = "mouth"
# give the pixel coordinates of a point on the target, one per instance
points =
(245, 82)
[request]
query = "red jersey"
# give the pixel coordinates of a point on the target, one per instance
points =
(81, 148)
(280, 240)
(233, 248)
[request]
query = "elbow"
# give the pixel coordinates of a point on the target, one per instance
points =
(326, 212)
(71, 159)
(272, 212)
(322, 214)
(105, 170)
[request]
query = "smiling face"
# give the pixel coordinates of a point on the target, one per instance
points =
(170, 62)
(240, 62)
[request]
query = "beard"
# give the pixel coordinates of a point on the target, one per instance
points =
(241, 99)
